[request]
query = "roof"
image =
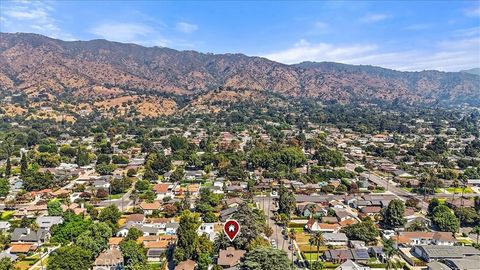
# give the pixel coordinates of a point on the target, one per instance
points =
(109, 257)
(335, 237)
(406, 237)
(135, 218)
(468, 263)
(27, 235)
(48, 221)
(350, 265)
(20, 248)
(115, 241)
(186, 265)
(371, 209)
(150, 206)
(448, 251)
(437, 266)
(161, 188)
(230, 257)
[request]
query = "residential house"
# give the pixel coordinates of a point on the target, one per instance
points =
(146, 230)
(351, 265)
(227, 213)
(315, 226)
(111, 259)
(101, 184)
(135, 218)
(467, 263)
(163, 190)
(26, 235)
(5, 226)
(171, 228)
(425, 238)
(186, 265)
(433, 253)
(148, 208)
(46, 222)
(335, 239)
(342, 255)
(230, 257)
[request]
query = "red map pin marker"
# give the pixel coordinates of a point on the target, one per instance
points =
(231, 229)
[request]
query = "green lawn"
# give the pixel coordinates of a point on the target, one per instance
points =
(115, 196)
(457, 190)
(310, 256)
(6, 215)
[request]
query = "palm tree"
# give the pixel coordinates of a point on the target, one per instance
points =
(292, 235)
(390, 251)
(7, 148)
(221, 242)
(317, 240)
(476, 231)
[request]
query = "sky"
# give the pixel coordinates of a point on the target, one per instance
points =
(402, 35)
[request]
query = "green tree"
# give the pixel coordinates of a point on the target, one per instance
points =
(6, 264)
(252, 223)
(365, 231)
(95, 239)
(7, 148)
(433, 203)
(134, 255)
(393, 215)
(390, 251)
(476, 230)
(23, 164)
(265, 258)
(70, 229)
(133, 234)
(105, 169)
(83, 157)
(221, 242)
(54, 208)
(187, 237)
(445, 220)
(110, 215)
(467, 216)
(317, 240)
(69, 258)
(286, 201)
(4, 187)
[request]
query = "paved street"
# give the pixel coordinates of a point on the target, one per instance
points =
(268, 206)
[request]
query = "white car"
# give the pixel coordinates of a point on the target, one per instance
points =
(274, 243)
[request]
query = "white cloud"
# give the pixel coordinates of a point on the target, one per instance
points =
(186, 27)
(374, 17)
(472, 12)
(31, 16)
(123, 32)
(462, 53)
(320, 25)
(304, 51)
(418, 27)
(138, 33)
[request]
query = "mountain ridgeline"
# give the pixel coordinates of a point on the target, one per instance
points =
(33, 64)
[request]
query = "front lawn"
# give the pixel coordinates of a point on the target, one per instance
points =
(115, 196)
(6, 215)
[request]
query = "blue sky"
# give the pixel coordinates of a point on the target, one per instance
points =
(404, 35)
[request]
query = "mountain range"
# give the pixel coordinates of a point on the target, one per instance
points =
(38, 65)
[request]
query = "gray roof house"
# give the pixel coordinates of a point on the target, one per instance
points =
(5, 225)
(432, 253)
(25, 235)
(335, 239)
(147, 230)
(46, 222)
(171, 227)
